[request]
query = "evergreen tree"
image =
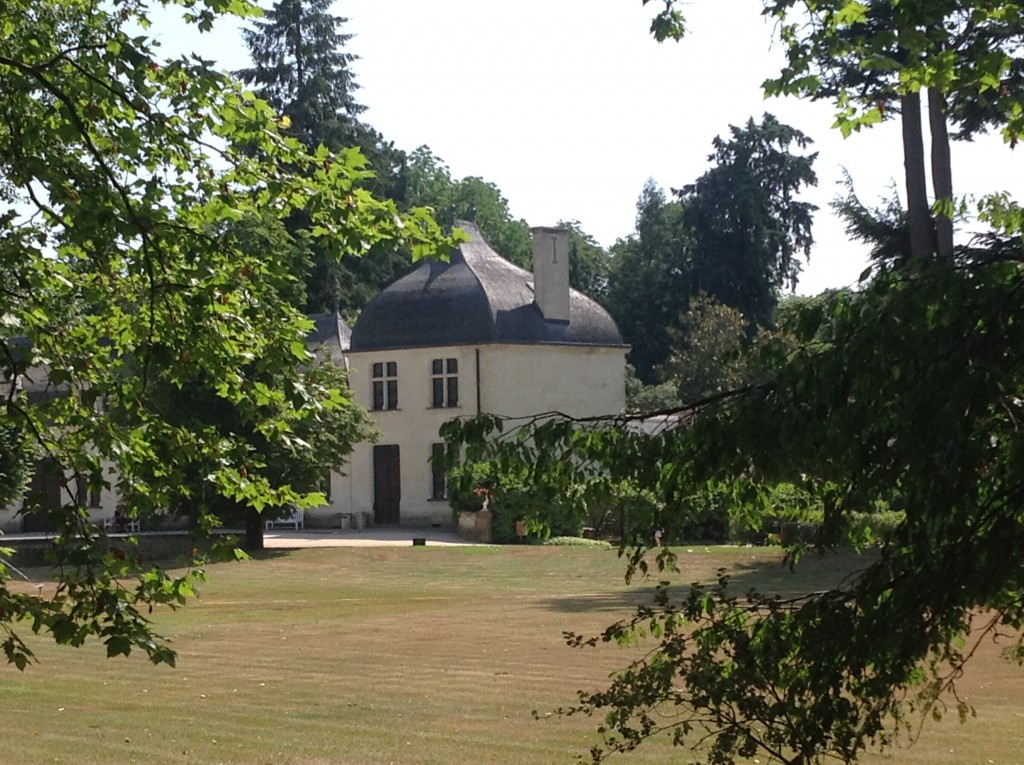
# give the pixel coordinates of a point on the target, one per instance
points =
(301, 69)
(747, 225)
(649, 282)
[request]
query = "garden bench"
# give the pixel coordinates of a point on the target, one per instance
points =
(122, 525)
(294, 519)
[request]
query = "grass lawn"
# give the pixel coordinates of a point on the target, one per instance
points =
(346, 656)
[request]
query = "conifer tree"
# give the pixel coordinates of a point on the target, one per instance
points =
(301, 68)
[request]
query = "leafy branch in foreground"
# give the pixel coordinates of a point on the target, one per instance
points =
(737, 677)
(855, 417)
(135, 254)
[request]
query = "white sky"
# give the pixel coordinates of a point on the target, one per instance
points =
(569, 106)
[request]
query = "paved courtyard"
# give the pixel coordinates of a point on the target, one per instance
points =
(389, 537)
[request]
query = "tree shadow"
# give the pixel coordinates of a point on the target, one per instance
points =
(272, 554)
(623, 602)
(815, 572)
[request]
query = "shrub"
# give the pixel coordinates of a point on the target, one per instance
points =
(597, 544)
(512, 497)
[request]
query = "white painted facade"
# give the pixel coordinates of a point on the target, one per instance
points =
(510, 380)
(513, 379)
(52, 491)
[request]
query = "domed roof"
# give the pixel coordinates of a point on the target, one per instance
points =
(476, 297)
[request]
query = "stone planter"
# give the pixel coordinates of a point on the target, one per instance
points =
(475, 526)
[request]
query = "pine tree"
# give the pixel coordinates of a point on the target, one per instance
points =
(747, 223)
(649, 280)
(301, 70)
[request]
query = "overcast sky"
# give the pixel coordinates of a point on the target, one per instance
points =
(569, 106)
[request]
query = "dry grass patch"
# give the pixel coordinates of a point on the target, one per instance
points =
(350, 656)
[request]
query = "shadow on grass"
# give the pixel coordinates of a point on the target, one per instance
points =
(816, 572)
(624, 602)
(275, 554)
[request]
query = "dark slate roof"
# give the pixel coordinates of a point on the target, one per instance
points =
(329, 335)
(35, 384)
(476, 297)
(31, 380)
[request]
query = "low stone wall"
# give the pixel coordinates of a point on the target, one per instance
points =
(324, 519)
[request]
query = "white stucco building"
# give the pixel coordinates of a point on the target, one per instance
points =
(49, 487)
(475, 334)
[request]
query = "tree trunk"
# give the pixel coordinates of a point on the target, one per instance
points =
(942, 173)
(253, 530)
(918, 214)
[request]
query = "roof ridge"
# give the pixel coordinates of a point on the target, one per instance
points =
(479, 256)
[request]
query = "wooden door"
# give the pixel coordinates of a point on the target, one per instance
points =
(387, 484)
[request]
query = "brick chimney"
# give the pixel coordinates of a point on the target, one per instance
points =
(551, 272)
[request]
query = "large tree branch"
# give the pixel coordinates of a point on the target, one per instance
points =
(918, 215)
(942, 173)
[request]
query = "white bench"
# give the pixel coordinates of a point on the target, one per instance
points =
(126, 525)
(294, 520)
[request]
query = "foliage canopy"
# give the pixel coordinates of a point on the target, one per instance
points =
(736, 234)
(134, 253)
(301, 68)
(903, 394)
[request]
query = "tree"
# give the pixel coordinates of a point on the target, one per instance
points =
(430, 184)
(649, 398)
(649, 281)
(849, 424)
(589, 264)
(472, 198)
(747, 225)
(301, 69)
(884, 229)
(480, 201)
(852, 418)
(712, 352)
(875, 59)
(302, 458)
(135, 191)
(735, 234)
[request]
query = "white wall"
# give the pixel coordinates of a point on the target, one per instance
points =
(515, 380)
(413, 427)
(580, 381)
(11, 522)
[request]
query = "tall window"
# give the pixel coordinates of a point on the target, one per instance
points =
(438, 479)
(385, 385)
(444, 382)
